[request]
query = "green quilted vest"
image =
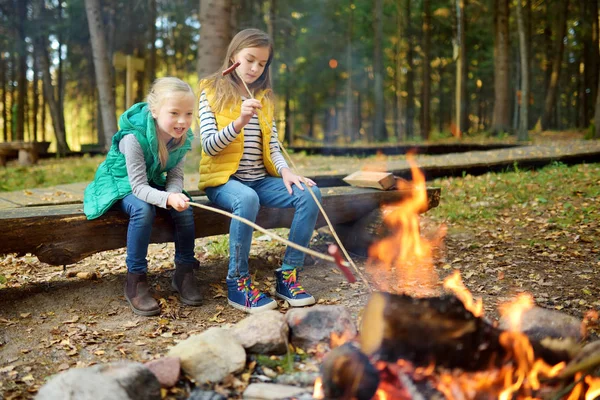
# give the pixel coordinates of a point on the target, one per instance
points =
(111, 182)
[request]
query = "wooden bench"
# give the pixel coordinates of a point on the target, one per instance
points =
(61, 235)
(26, 152)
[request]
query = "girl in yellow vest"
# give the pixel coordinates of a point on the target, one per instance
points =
(242, 168)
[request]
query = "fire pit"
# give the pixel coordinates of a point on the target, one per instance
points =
(418, 341)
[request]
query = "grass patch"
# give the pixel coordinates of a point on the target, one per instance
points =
(559, 194)
(49, 172)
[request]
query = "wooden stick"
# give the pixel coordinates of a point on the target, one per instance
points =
(333, 232)
(263, 230)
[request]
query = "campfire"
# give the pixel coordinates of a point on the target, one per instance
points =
(420, 339)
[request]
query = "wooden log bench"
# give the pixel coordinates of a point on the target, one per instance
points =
(27, 153)
(61, 234)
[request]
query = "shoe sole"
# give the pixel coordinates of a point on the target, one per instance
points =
(189, 302)
(136, 311)
(252, 310)
(309, 301)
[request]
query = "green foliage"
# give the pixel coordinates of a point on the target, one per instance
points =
(219, 246)
(285, 362)
(49, 172)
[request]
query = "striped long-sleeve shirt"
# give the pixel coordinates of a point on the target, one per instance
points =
(252, 166)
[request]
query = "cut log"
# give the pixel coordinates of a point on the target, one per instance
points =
(437, 330)
(428, 330)
(347, 373)
(371, 179)
(60, 235)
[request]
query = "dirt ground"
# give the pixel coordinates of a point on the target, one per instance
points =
(51, 320)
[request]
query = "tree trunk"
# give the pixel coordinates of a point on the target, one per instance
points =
(43, 59)
(22, 71)
(552, 92)
(410, 72)
(287, 112)
(501, 119)
(597, 113)
(60, 86)
(379, 131)
(351, 130)
(36, 99)
(62, 147)
(426, 88)
(462, 113)
(398, 71)
(3, 85)
(522, 133)
(151, 70)
(215, 34)
(102, 67)
(589, 28)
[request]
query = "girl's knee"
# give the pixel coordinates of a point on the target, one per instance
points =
(316, 191)
(247, 202)
(143, 211)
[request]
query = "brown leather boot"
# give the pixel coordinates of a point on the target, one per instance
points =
(185, 283)
(137, 293)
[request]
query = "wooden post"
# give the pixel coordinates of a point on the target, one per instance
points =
(131, 65)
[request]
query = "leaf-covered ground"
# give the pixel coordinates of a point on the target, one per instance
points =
(532, 231)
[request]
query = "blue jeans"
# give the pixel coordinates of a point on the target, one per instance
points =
(245, 198)
(141, 218)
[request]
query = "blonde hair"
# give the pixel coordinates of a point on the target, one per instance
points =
(161, 89)
(227, 88)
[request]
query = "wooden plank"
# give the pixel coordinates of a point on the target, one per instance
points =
(60, 235)
(371, 179)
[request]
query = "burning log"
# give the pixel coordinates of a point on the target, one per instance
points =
(436, 330)
(348, 374)
(428, 330)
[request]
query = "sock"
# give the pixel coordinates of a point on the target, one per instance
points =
(287, 267)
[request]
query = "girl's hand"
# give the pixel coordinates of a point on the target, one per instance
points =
(249, 108)
(178, 201)
(290, 178)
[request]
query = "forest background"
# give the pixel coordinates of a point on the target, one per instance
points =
(345, 71)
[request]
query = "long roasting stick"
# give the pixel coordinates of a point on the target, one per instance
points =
(337, 239)
(331, 258)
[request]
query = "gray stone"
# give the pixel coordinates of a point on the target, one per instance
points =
(166, 369)
(312, 325)
(263, 333)
(200, 394)
(539, 323)
(211, 355)
(272, 391)
(115, 381)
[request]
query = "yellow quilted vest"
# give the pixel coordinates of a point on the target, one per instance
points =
(216, 170)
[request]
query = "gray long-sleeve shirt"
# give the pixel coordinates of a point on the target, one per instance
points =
(138, 179)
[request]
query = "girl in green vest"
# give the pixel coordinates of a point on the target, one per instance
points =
(242, 168)
(143, 171)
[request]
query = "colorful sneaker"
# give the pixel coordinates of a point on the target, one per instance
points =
(242, 295)
(290, 290)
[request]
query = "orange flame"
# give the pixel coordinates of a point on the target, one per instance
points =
(594, 388)
(514, 310)
(405, 258)
(337, 339)
(455, 284)
(318, 389)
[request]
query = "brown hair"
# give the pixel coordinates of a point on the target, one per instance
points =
(227, 88)
(162, 88)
